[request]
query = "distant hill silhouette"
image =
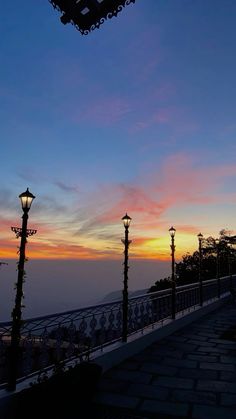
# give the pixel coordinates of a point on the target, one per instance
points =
(117, 295)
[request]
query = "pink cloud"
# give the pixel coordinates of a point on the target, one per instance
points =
(179, 120)
(163, 115)
(131, 199)
(144, 53)
(178, 183)
(105, 111)
(229, 129)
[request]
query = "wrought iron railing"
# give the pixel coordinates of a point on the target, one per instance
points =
(73, 335)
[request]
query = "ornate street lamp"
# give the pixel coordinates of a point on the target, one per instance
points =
(200, 238)
(26, 200)
(173, 284)
(126, 221)
(229, 246)
(217, 244)
(86, 15)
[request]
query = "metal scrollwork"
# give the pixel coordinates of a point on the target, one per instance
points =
(72, 338)
(119, 320)
(93, 324)
(102, 334)
(44, 348)
(49, 340)
(89, 14)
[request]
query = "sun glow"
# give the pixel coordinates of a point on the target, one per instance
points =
(141, 247)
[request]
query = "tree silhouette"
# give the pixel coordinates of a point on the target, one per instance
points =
(187, 270)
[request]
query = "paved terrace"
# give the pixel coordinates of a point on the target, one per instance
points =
(189, 374)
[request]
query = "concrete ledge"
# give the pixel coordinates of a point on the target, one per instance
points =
(118, 352)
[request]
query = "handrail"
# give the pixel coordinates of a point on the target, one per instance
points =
(59, 337)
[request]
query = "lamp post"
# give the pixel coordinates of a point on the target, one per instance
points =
(26, 200)
(200, 238)
(173, 285)
(217, 243)
(230, 268)
(126, 221)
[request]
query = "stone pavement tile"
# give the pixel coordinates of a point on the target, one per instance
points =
(130, 365)
(176, 338)
(217, 366)
(133, 376)
(166, 408)
(197, 374)
(224, 342)
(212, 350)
(184, 347)
(162, 351)
(207, 322)
(205, 343)
(184, 363)
(211, 412)
(203, 327)
(136, 387)
(218, 386)
(193, 336)
(228, 400)
(191, 396)
(228, 376)
(227, 347)
(228, 359)
(158, 369)
(206, 358)
(119, 400)
(193, 328)
(157, 345)
(111, 385)
(147, 391)
(220, 351)
(221, 330)
(174, 382)
(108, 412)
(208, 335)
(144, 358)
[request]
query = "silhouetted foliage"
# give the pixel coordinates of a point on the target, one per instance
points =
(187, 270)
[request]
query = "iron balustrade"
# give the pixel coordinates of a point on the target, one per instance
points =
(74, 335)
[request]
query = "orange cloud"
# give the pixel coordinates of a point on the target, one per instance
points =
(152, 201)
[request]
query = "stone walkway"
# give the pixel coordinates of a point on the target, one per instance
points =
(189, 374)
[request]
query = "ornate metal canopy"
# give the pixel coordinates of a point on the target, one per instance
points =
(87, 15)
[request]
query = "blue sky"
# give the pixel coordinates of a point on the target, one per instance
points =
(138, 116)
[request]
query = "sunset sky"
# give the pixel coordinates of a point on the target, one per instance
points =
(138, 117)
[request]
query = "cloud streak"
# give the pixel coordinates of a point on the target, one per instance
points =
(95, 229)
